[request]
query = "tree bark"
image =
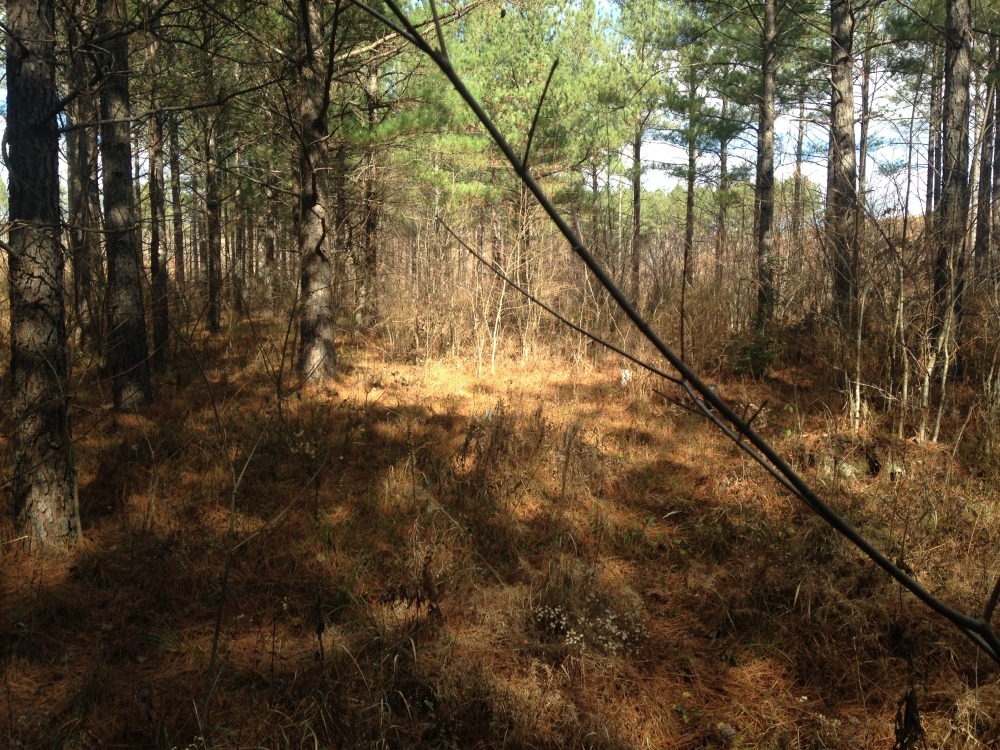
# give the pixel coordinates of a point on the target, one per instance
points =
(954, 204)
(367, 268)
(157, 229)
(635, 255)
(797, 186)
(128, 349)
(317, 353)
(984, 212)
(934, 144)
(764, 190)
(83, 199)
(44, 478)
(722, 235)
(842, 197)
(213, 202)
(238, 266)
(687, 275)
(180, 274)
(994, 251)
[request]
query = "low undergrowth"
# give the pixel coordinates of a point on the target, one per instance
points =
(543, 558)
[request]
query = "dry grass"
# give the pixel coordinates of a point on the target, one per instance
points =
(536, 558)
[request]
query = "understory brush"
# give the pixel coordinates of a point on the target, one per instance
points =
(545, 557)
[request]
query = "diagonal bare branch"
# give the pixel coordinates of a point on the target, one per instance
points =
(978, 630)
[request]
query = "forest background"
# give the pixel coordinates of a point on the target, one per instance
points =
(291, 460)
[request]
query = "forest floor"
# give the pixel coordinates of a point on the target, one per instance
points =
(423, 555)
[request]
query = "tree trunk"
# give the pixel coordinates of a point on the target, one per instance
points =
(721, 235)
(157, 260)
(43, 486)
(317, 353)
(954, 205)
(866, 95)
(83, 199)
(687, 275)
(797, 186)
(239, 249)
(994, 251)
(128, 349)
(842, 197)
(367, 268)
(175, 201)
(764, 191)
(635, 257)
(213, 229)
(934, 144)
(984, 211)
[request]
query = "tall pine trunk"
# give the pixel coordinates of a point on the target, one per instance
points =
(367, 267)
(842, 197)
(317, 353)
(212, 260)
(83, 198)
(954, 205)
(687, 274)
(157, 256)
(797, 210)
(722, 234)
(764, 191)
(176, 209)
(128, 349)
(934, 143)
(635, 256)
(44, 479)
(981, 251)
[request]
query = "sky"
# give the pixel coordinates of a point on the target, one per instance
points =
(888, 141)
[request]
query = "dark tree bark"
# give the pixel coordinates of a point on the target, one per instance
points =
(239, 251)
(984, 212)
(83, 198)
(271, 233)
(634, 250)
(842, 197)
(342, 214)
(128, 349)
(44, 478)
(954, 204)
(157, 261)
(175, 201)
(764, 191)
(317, 353)
(212, 253)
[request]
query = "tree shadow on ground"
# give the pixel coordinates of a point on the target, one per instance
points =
(413, 571)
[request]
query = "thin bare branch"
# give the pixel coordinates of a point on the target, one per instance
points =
(976, 629)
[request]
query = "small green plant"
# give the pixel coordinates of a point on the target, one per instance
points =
(755, 356)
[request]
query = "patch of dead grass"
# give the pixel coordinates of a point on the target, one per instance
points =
(538, 558)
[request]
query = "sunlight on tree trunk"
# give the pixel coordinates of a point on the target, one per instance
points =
(317, 354)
